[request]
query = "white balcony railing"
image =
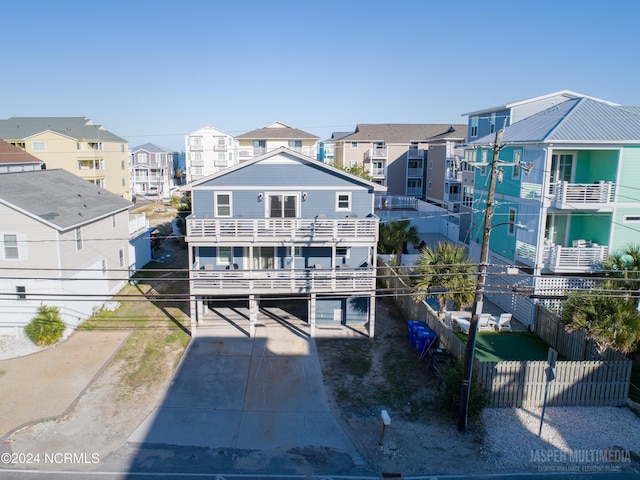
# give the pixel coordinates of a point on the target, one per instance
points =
(574, 259)
(565, 193)
(210, 282)
(378, 172)
(391, 202)
(375, 152)
(291, 229)
(137, 222)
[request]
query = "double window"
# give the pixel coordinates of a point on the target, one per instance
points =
(282, 206)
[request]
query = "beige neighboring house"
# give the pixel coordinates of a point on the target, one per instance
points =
(63, 242)
(394, 154)
(76, 145)
(14, 159)
(273, 136)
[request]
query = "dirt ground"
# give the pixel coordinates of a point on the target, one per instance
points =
(364, 377)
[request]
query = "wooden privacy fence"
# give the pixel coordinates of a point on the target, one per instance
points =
(583, 383)
(413, 310)
(573, 345)
(580, 381)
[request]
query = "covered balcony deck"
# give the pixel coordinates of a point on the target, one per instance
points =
(209, 230)
(582, 195)
(260, 282)
(581, 257)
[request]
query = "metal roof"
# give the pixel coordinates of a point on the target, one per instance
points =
(58, 197)
(79, 128)
(578, 120)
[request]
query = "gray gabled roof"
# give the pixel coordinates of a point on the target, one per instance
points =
(151, 148)
(581, 120)
(79, 128)
(58, 198)
(335, 136)
(402, 133)
(302, 158)
(283, 132)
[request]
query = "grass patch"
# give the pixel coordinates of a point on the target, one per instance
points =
(498, 347)
(159, 328)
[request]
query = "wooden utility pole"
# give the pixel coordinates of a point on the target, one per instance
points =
(465, 391)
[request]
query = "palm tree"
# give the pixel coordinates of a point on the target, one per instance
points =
(395, 235)
(611, 321)
(625, 264)
(447, 268)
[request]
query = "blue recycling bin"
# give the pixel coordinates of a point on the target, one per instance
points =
(411, 325)
(425, 338)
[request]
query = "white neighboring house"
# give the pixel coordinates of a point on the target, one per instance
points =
(64, 242)
(151, 170)
(208, 151)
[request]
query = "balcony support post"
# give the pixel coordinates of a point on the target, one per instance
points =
(253, 314)
(312, 315)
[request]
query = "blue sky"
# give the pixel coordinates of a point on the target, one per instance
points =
(157, 70)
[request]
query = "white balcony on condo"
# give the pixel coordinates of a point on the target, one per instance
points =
(582, 195)
(242, 230)
(205, 281)
(375, 152)
(580, 257)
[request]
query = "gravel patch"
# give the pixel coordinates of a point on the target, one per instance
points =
(573, 438)
(12, 347)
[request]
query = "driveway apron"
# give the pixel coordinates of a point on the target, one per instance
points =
(261, 393)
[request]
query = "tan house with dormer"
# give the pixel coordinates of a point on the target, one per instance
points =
(76, 145)
(273, 136)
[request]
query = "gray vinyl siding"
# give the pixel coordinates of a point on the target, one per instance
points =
(279, 175)
(245, 203)
(353, 310)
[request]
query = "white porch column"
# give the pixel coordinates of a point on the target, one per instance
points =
(193, 313)
(372, 314)
(253, 314)
(312, 315)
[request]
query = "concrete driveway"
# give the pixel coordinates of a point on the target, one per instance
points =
(248, 394)
(47, 384)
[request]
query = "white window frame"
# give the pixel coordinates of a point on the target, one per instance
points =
(473, 127)
(17, 246)
(511, 226)
(338, 201)
(217, 205)
(354, 145)
(345, 253)
(39, 146)
(21, 292)
(631, 218)
(267, 203)
(492, 123)
(225, 258)
(517, 159)
(142, 157)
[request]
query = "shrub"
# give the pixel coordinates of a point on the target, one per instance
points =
(447, 397)
(46, 327)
